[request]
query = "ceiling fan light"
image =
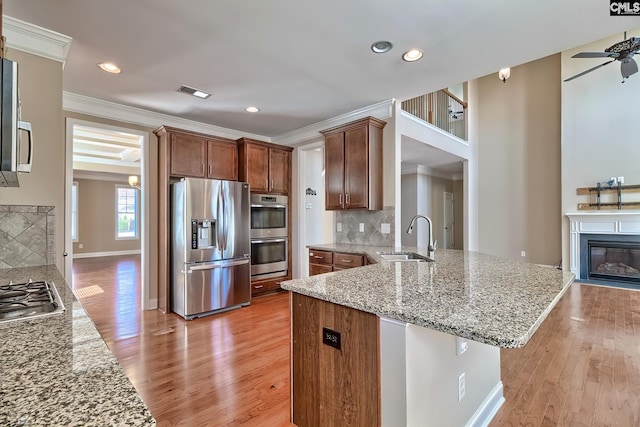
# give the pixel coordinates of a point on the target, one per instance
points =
(504, 74)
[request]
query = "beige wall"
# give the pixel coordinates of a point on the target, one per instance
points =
(40, 82)
(519, 189)
(96, 218)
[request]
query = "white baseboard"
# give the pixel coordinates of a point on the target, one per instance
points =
(488, 409)
(152, 304)
(102, 254)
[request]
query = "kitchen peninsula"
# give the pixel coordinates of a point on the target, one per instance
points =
(380, 343)
(57, 370)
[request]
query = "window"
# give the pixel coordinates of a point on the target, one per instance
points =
(74, 211)
(126, 212)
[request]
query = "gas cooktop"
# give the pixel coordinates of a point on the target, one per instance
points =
(29, 300)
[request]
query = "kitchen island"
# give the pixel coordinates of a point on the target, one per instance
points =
(420, 310)
(57, 370)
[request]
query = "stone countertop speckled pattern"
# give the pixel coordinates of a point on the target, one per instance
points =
(57, 370)
(468, 294)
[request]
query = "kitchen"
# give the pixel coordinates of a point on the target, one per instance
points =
(51, 116)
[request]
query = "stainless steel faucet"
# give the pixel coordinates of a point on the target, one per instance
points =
(432, 246)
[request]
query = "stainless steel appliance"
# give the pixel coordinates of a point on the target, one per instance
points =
(29, 300)
(210, 246)
(269, 258)
(269, 236)
(11, 161)
(268, 216)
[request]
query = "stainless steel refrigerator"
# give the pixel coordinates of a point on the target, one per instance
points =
(210, 246)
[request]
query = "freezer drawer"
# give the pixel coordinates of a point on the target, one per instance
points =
(205, 288)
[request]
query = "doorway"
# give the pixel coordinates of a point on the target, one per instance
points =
(100, 159)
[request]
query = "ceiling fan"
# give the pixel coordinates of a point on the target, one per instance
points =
(622, 51)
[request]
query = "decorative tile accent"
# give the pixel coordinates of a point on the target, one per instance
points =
(27, 235)
(372, 220)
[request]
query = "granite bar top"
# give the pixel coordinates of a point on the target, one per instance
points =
(57, 370)
(468, 294)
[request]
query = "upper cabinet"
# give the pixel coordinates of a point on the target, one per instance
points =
(353, 165)
(265, 166)
(197, 155)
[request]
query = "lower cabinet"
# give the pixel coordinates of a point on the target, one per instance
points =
(335, 364)
(261, 286)
(327, 261)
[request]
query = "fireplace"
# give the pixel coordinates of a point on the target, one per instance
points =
(610, 259)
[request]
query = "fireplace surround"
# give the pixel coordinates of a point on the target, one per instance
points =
(606, 240)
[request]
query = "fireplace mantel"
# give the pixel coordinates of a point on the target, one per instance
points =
(612, 222)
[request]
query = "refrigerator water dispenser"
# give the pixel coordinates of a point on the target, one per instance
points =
(203, 233)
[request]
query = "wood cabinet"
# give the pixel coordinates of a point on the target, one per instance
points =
(335, 371)
(353, 165)
(265, 166)
(198, 155)
(326, 261)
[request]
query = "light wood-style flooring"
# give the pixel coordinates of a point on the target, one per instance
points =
(581, 368)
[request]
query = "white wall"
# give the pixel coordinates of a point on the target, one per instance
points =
(599, 127)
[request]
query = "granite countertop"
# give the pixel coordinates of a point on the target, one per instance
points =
(57, 370)
(468, 294)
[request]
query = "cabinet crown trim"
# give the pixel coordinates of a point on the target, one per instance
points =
(372, 121)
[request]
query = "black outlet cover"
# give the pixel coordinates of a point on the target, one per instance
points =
(331, 338)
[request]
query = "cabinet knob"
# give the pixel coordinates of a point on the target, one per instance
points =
(348, 197)
(340, 200)
(258, 286)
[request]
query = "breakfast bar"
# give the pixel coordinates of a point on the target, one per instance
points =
(437, 326)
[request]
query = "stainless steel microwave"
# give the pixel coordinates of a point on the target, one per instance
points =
(268, 216)
(11, 157)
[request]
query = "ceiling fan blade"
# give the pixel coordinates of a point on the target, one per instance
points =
(628, 67)
(589, 70)
(596, 55)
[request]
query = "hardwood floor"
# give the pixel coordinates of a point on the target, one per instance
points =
(581, 368)
(224, 370)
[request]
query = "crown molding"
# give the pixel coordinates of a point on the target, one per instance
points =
(101, 176)
(36, 40)
(427, 171)
(382, 110)
(126, 114)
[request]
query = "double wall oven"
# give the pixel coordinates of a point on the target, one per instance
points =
(269, 236)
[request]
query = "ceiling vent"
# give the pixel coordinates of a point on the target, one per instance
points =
(193, 91)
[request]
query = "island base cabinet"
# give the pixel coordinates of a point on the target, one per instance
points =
(331, 386)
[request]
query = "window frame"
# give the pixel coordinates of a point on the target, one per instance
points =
(136, 235)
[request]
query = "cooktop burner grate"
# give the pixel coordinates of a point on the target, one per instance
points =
(29, 300)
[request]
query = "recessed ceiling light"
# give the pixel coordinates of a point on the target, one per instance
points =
(412, 55)
(252, 109)
(109, 67)
(382, 46)
(193, 91)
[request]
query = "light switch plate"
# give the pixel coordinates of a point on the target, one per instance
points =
(339, 227)
(361, 227)
(385, 228)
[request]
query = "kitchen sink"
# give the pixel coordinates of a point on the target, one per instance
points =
(403, 257)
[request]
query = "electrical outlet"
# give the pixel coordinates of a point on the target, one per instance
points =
(621, 179)
(339, 227)
(80, 245)
(462, 387)
(385, 228)
(461, 345)
(523, 253)
(361, 227)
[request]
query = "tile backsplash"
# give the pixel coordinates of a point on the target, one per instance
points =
(27, 235)
(372, 221)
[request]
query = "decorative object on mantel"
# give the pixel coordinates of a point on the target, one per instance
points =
(608, 188)
(310, 192)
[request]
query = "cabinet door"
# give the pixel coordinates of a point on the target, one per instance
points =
(258, 173)
(279, 161)
(188, 154)
(356, 180)
(222, 158)
(318, 269)
(334, 171)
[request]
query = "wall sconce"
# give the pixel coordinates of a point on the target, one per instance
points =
(133, 181)
(504, 74)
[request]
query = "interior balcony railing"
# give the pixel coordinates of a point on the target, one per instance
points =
(442, 109)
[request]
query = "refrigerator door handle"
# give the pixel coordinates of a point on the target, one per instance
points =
(219, 264)
(218, 222)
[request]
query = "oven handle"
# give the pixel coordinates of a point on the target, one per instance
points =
(268, 240)
(211, 266)
(268, 206)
